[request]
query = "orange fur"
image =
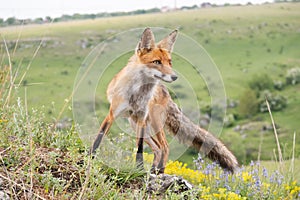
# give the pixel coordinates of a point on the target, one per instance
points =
(136, 92)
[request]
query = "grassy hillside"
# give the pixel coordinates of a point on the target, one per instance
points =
(38, 161)
(252, 46)
(244, 42)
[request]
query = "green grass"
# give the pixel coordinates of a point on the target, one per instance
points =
(38, 161)
(242, 41)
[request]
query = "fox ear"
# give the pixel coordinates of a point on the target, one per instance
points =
(147, 41)
(168, 42)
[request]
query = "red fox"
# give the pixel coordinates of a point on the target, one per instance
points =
(136, 92)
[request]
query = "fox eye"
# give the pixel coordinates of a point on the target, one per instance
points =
(157, 62)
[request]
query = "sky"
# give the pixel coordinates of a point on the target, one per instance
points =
(23, 9)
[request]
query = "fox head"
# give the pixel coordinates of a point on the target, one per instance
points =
(157, 57)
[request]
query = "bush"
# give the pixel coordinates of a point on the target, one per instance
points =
(229, 120)
(261, 82)
(278, 85)
(293, 76)
(214, 111)
(276, 102)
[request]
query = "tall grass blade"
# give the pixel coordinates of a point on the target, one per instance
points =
(31, 60)
(276, 135)
(19, 36)
(10, 72)
(293, 156)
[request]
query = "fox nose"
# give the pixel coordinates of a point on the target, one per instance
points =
(173, 77)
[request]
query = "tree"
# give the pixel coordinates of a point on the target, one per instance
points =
(248, 103)
(48, 19)
(11, 20)
(38, 20)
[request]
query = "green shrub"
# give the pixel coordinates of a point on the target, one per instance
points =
(261, 82)
(278, 85)
(293, 76)
(229, 120)
(277, 102)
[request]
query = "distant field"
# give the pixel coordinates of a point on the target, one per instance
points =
(242, 41)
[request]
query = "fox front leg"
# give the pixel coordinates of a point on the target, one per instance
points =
(153, 143)
(140, 145)
(114, 111)
(104, 128)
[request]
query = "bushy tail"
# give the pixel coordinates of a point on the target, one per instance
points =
(191, 134)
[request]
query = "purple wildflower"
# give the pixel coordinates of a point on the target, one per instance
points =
(209, 169)
(199, 162)
(272, 178)
(232, 179)
(214, 165)
(265, 172)
(258, 183)
(227, 187)
(279, 180)
(224, 174)
(276, 177)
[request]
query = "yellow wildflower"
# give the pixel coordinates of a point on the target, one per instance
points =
(205, 190)
(295, 190)
(233, 196)
(207, 197)
(180, 169)
(222, 190)
(265, 185)
(287, 187)
(246, 177)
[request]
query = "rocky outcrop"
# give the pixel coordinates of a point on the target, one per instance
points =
(159, 184)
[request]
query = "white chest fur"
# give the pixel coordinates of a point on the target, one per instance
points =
(136, 89)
